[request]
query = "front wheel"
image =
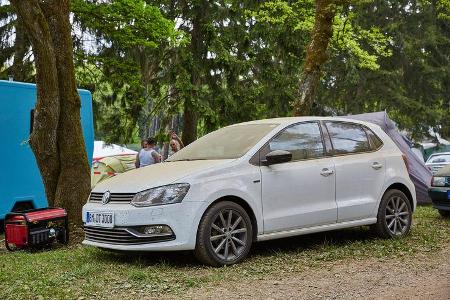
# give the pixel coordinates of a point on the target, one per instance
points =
(224, 235)
(394, 215)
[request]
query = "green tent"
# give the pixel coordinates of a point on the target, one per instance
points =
(109, 166)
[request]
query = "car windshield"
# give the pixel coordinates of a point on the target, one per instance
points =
(442, 158)
(226, 143)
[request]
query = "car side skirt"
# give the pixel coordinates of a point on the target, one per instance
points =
(308, 230)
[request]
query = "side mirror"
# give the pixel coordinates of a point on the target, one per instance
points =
(277, 157)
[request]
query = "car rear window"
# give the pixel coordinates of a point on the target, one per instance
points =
(347, 137)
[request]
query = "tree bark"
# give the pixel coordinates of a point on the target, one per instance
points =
(316, 56)
(74, 178)
(189, 123)
(57, 138)
(43, 139)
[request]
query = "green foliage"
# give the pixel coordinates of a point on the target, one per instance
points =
(410, 77)
(143, 60)
(122, 33)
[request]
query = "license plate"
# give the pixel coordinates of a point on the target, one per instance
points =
(102, 219)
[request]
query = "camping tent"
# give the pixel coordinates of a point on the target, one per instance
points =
(102, 149)
(419, 173)
(110, 166)
(109, 160)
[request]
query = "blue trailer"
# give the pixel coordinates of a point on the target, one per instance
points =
(21, 185)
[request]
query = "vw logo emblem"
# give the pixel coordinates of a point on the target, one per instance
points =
(106, 197)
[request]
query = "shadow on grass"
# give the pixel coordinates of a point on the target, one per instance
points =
(265, 249)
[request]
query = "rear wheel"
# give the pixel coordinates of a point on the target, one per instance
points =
(394, 215)
(224, 235)
(444, 213)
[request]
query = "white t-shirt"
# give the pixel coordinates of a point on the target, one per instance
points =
(146, 157)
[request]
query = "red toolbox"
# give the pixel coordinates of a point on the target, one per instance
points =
(36, 228)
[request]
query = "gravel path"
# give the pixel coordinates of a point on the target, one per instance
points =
(423, 276)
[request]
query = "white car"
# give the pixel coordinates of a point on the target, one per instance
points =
(437, 161)
(256, 181)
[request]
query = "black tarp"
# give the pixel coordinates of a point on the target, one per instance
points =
(418, 172)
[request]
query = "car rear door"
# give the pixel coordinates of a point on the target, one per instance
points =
(299, 193)
(360, 169)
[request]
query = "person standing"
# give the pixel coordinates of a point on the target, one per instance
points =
(147, 155)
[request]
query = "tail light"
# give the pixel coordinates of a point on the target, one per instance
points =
(405, 160)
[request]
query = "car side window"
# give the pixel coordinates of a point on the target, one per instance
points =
(374, 139)
(303, 140)
(347, 137)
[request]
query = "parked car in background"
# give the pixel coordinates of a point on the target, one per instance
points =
(440, 191)
(256, 181)
(437, 161)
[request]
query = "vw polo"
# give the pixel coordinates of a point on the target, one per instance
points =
(252, 182)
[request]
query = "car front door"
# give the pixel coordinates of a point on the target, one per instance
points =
(299, 193)
(360, 170)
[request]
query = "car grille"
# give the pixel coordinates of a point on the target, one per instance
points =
(116, 198)
(119, 236)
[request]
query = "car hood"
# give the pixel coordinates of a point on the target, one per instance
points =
(155, 175)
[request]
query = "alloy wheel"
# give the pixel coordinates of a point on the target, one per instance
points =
(397, 216)
(228, 235)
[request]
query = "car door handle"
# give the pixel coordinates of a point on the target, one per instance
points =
(326, 172)
(377, 165)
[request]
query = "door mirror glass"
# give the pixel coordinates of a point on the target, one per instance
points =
(277, 157)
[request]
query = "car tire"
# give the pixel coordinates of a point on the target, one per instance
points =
(444, 213)
(394, 217)
(224, 238)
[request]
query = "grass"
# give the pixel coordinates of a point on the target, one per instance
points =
(83, 272)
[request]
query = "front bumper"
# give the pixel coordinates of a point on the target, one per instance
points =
(439, 197)
(183, 218)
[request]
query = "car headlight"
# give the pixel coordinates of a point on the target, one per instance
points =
(168, 194)
(438, 181)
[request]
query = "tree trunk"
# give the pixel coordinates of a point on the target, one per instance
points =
(189, 123)
(198, 52)
(43, 139)
(74, 178)
(57, 138)
(316, 56)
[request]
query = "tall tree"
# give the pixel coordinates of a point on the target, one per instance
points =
(56, 139)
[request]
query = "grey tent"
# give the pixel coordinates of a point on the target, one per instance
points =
(418, 172)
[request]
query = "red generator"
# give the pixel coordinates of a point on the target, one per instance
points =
(36, 228)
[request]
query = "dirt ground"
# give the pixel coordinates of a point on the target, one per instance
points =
(426, 277)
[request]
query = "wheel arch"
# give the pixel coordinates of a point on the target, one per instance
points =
(403, 188)
(244, 204)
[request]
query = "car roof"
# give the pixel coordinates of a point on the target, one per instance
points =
(293, 120)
